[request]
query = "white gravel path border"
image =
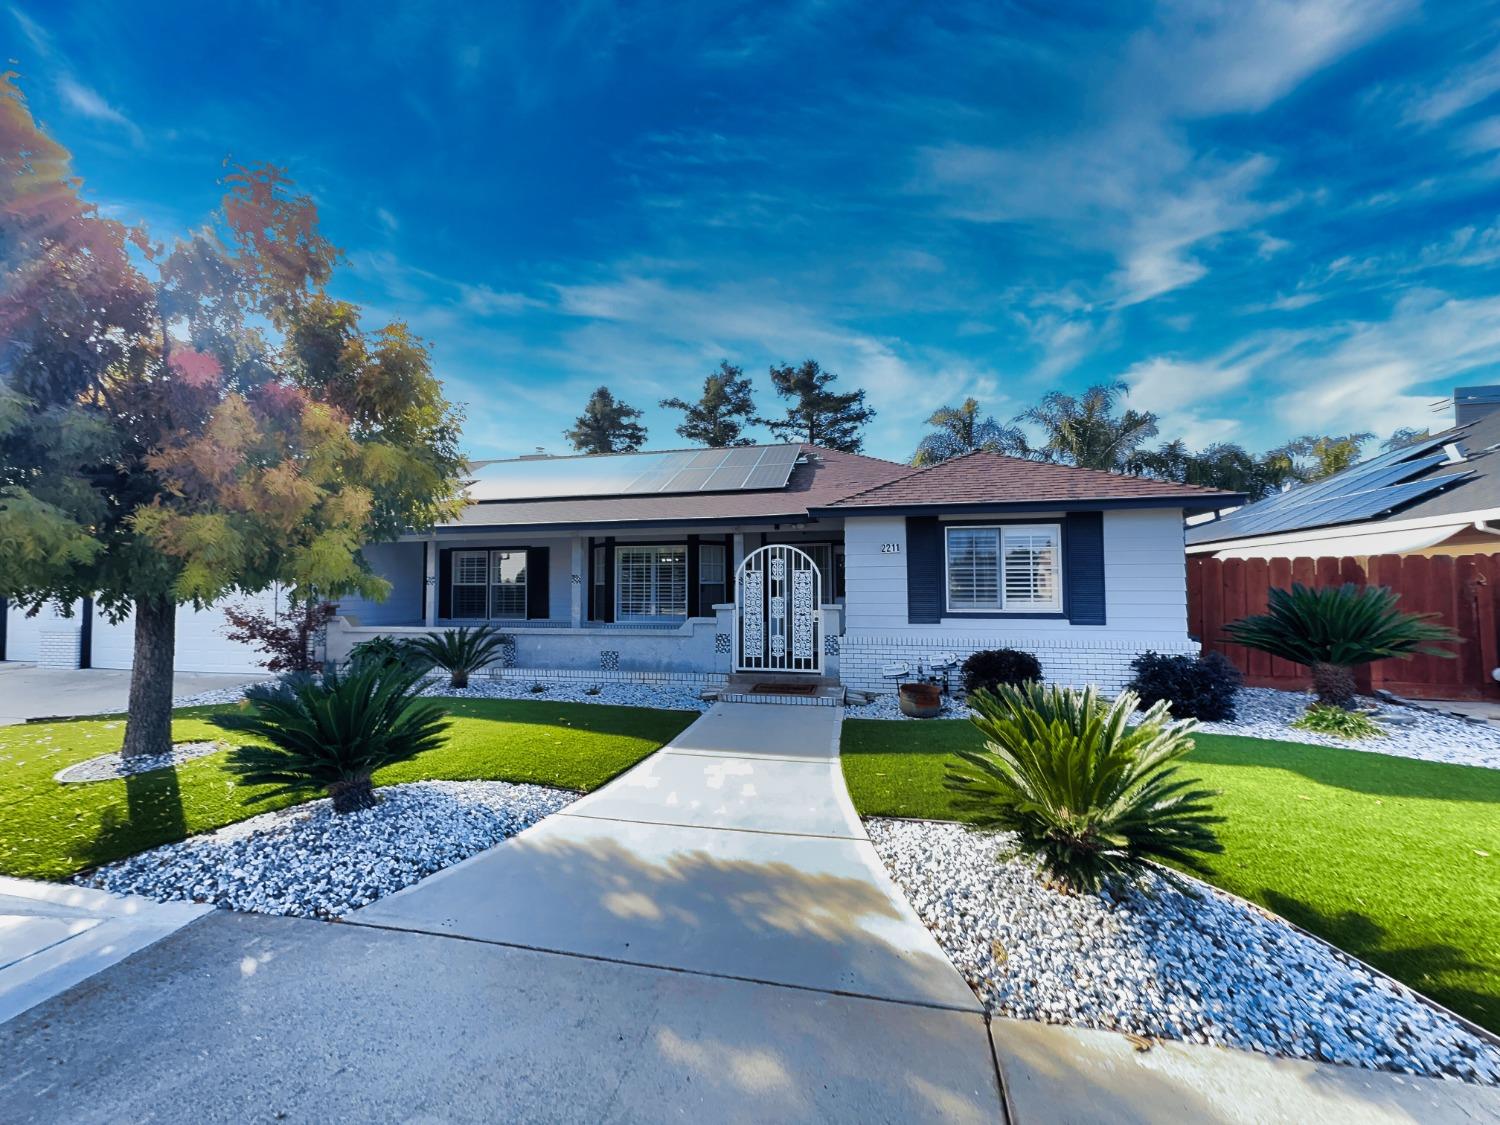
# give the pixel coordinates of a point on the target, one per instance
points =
(307, 860)
(1157, 962)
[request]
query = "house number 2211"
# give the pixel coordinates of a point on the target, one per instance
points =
(890, 548)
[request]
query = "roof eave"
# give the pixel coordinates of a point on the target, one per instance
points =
(1186, 503)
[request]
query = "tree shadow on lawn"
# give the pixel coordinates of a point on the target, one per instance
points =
(1358, 771)
(597, 718)
(1428, 968)
(152, 814)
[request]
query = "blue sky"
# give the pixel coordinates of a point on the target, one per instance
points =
(1267, 218)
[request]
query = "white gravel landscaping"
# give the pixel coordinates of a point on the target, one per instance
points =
(1410, 733)
(661, 696)
(1268, 713)
(1204, 969)
(110, 767)
(307, 860)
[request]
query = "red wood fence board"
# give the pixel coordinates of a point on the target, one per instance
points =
(1459, 591)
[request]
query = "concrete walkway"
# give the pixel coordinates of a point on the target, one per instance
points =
(733, 852)
(28, 692)
(52, 937)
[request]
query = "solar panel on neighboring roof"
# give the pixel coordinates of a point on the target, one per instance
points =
(738, 469)
(1368, 489)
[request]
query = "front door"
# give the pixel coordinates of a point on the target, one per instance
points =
(778, 624)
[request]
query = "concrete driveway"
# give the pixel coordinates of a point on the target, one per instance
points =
(29, 692)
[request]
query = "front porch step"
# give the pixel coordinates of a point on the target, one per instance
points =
(813, 691)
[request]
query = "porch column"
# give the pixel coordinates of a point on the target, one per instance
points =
(738, 553)
(575, 588)
(430, 584)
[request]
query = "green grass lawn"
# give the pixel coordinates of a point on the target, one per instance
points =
(1397, 861)
(50, 831)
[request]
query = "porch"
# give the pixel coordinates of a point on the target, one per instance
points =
(655, 605)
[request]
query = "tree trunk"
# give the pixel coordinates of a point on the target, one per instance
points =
(1334, 685)
(148, 728)
(352, 794)
(459, 678)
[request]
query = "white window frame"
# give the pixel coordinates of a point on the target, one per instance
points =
(658, 613)
(1002, 605)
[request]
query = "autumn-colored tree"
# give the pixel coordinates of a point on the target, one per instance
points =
(719, 417)
(180, 424)
(816, 413)
(607, 425)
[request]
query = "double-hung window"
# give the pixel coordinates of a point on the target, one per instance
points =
(489, 584)
(1013, 568)
(713, 576)
(650, 583)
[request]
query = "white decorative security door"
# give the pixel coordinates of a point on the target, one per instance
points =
(777, 619)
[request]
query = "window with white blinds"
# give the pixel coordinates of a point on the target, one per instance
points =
(471, 583)
(1010, 569)
(508, 584)
(650, 582)
(489, 584)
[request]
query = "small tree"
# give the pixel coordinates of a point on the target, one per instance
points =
(719, 417)
(289, 639)
(179, 425)
(606, 426)
(816, 414)
(1331, 630)
(960, 430)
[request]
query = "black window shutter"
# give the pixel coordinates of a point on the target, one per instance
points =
(538, 575)
(609, 580)
(1083, 567)
(694, 600)
(445, 583)
(924, 570)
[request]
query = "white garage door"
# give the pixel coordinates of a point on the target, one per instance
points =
(201, 643)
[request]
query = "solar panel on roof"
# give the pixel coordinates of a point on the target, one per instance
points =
(1329, 510)
(627, 474)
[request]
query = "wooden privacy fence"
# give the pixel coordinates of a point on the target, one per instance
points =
(1461, 591)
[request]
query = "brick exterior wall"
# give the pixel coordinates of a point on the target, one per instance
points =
(1077, 661)
(60, 647)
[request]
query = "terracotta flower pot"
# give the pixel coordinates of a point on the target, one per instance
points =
(920, 701)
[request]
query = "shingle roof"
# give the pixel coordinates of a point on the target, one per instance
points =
(827, 475)
(983, 478)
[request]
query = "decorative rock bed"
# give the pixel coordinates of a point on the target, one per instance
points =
(111, 767)
(1165, 964)
(1268, 713)
(306, 860)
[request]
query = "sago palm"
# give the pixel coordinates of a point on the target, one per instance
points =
(334, 730)
(462, 651)
(1092, 796)
(1333, 629)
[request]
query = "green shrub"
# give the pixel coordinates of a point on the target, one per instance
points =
(1336, 721)
(388, 650)
(1093, 797)
(1334, 629)
(988, 668)
(1194, 687)
(462, 651)
(334, 730)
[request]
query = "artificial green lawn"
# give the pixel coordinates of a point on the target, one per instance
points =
(49, 830)
(1395, 860)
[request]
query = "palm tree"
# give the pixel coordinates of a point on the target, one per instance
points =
(1083, 430)
(960, 430)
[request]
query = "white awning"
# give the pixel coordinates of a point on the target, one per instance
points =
(1369, 542)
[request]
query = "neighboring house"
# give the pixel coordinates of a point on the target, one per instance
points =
(1437, 496)
(788, 560)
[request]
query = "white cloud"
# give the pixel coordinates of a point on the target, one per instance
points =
(79, 97)
(1125, 179)
(1464, 87)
